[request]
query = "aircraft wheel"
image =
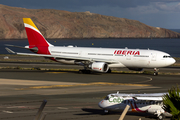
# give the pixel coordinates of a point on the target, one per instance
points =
(109, 70)
(87, 71)
(155, 73)
(80, 71)
(106, 112)
(84, 71)
(161, 117)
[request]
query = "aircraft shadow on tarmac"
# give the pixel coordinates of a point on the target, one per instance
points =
(65, 71)
(45, 71)
(90, 111)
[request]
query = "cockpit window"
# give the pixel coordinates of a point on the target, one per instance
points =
(106, 98)
(165, 56)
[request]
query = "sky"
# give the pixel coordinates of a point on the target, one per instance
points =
(157, 13)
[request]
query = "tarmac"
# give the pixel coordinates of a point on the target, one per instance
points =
(71, 95)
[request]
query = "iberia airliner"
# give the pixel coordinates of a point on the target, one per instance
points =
(93, 59)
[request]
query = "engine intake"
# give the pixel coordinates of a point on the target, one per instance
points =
(99, 66)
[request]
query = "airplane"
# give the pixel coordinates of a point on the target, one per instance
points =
(144, 103)
(93, 59)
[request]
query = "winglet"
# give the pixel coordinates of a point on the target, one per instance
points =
(10, 51)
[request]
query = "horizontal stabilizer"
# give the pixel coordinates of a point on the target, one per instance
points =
(10, 51)
(14, 46)
(35, 49)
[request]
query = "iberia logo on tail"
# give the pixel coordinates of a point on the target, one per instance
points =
(35, 38)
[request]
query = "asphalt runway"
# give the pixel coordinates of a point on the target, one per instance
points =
(71, 95)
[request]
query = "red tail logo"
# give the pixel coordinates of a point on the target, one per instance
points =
(35, 38)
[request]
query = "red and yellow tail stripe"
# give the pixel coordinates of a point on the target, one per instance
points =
(35, 38)
(29, 23)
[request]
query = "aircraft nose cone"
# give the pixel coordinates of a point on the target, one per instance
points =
(174, 61)
(101, 104)
(171, 61)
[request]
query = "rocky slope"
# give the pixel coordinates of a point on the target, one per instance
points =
(63, 24)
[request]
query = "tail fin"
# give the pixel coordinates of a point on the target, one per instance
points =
(35, 38)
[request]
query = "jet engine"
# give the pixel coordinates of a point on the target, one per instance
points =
(156, 110)
(99, 66)
(136, 69)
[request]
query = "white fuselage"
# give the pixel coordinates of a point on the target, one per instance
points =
(95, 59)
(151, 104)
(131, 58)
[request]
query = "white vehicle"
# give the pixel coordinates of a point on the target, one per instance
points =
(146, 103)
(94, 59)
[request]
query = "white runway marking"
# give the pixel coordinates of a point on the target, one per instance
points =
(62, 108)
(149, 79)
(17, 107)
(7, 111)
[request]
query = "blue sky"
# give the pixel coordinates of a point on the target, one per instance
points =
(157, 13)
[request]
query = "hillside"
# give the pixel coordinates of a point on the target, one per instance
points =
(63, 24)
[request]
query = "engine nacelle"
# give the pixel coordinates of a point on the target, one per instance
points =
(136, 69)
(156, 110)
(99, 66)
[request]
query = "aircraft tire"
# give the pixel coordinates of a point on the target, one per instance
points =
(106, 112)
(161, 117)
(109, 70)
(80, 71)
(84, 71)
(155, 73)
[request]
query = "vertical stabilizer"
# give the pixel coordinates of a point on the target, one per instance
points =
(35, 38)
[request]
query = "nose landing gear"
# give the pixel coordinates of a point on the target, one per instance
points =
(156, 70)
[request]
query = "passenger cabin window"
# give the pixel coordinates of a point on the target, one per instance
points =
(165, 56)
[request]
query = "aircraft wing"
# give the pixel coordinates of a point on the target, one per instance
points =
(142, 95)
(148, 98)
(65, 57)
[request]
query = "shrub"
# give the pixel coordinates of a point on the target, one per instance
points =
(172, 102)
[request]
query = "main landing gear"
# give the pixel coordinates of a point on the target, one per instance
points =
(85, 71)
(106, 112)
(109, 70)
(161, 117)
(156, 70)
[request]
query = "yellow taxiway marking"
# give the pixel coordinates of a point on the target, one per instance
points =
(56, 72)
(83, 84)
(33, 82)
